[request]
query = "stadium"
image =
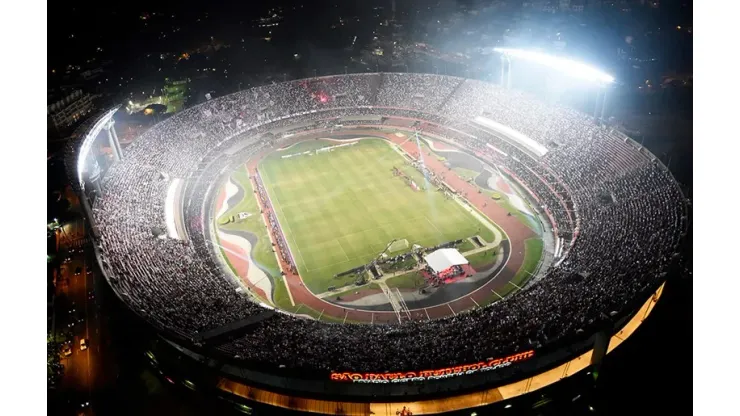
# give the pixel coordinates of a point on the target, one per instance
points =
(343, 243)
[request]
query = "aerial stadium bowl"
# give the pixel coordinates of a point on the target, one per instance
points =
(325, 201)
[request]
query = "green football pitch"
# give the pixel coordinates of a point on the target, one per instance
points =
(340, 209)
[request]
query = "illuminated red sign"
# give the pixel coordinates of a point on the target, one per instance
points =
(403, 377)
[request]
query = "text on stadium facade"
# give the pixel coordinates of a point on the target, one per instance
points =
(407, 376)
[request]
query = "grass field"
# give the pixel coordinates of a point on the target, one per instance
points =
(340, 209)
(482, 258)
(404, 264)
(410, 280)
(466, 245)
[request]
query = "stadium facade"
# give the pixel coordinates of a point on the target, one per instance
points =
(617, 214)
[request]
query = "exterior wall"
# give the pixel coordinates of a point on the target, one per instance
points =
(427, 398)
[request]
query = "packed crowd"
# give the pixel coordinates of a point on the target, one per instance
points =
(618, 249)
(274, 224)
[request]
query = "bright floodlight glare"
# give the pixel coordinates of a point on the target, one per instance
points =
(88, 140)
(572, 68)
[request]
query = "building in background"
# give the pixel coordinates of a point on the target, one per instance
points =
(175, 94)
(68, 108)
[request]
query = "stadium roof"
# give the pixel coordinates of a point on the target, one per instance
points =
(444, 258)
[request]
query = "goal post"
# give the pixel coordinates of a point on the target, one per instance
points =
(399, 245)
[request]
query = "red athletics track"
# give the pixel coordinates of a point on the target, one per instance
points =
(515, 230)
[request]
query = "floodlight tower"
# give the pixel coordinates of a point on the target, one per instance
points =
(505, 71)
(600, 110)
(566, 66)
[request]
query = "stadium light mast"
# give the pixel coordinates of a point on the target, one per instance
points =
(568, 67)
(602, 91)
(505, 69)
